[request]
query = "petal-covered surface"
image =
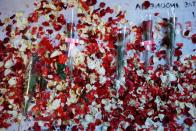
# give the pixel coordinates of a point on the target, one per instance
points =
(155, 97)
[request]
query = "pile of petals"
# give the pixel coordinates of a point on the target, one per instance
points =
(156, 97)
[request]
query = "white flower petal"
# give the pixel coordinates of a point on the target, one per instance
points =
(163, 78)
(161, 116)
(1, 108)
(19, 14)
(89, 118)
(23, 47)
(13, 112)
(149, 122)
(102, 79)
(180, 88)
(140, 72)
(104, 128)
(79, 58)
(155, 59)
(101, 71)
(1, 64)
(9, 63)
(157, 100)
(91, 64)
(55, 53)
(192, 110)
(59, 121)
(92, 78)
(41, 123)
(59, 87)
(12, 81)
(7, 72)
(55, 104)
(108, 107)
(172, 77)
(104, 101)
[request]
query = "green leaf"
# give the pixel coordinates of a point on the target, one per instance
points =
(60, 71)
(26, 106)
(63, 76)
(32, 83)
(60, 67)
(42, 82)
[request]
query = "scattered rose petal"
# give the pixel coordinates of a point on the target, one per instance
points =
(12, 81)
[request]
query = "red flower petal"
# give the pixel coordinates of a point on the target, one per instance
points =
(102, 13)
(193, 38)
(193, 58)
(33, 17)
(45, 44)
(109, 10)
(45, 23)
(1, 23)
(84, 5)
(36, 126)
(146, 4)
(49, 31)
(186, 33)
(91, 2)
(62, 59)
(34, 30)
(188, 121)
(52, 16)
(92, 48)
(180, 45)
(177, 52)
(44, 71)
(156, 14)
(121, 90)
(56, 26)
(161, 54)
(102, 5)
(61, 19)
(19, 64)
